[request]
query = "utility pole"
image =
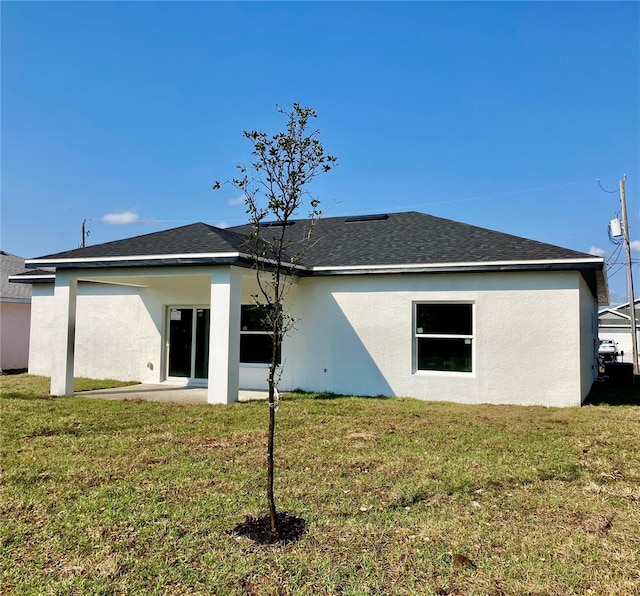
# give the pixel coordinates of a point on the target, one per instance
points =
(627, 246)
(84, 233)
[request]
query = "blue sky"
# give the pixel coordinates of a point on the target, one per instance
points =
(499, 114)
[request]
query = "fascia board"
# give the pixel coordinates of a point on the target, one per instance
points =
(152, 260)
(539, 265)
(235, 257)
(70, 262)
(29, 279)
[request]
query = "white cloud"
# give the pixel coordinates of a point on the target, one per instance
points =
(596, 251)
(222, 224)
(635, 245)
(237, 201)
(123, 218)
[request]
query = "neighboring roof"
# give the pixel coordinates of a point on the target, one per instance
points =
(618, 315)
(625, 305)
(609, 313)
(624, 309)
(411, 241)
(10, 292)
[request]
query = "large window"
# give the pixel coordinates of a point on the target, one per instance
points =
(444, 336)
(256, 341)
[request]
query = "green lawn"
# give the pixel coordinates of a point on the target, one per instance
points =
(104, 497)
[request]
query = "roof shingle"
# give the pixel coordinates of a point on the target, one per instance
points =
(413, 238)
(12, 265)
(409, 238)
(197, 238)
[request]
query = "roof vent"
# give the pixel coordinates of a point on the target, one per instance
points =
(275, 224)
(377, 217)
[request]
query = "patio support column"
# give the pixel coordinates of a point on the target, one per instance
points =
(224, 336)
(63, 334)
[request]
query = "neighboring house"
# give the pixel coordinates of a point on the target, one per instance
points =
(404, 304)
(15, 315)
(615, 323)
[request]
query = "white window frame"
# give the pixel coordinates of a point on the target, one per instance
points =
(417, 336)
(245, 332)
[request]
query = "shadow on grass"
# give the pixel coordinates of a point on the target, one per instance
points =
(328, 395)
(20, 395)
(605, 393)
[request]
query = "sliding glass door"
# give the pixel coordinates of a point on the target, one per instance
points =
(188, 342)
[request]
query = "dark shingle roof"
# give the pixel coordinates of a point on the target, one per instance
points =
(409, 238)
(12, 265)
(414, 238)
(197, 238)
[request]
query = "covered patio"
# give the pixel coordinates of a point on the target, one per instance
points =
(178, 394)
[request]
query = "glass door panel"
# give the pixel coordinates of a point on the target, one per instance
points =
(180, 340)
(202, 343)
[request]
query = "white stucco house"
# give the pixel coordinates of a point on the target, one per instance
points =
(15, 315)
(401, 304)
(615, 323)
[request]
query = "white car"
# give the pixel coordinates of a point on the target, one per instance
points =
(607, 347)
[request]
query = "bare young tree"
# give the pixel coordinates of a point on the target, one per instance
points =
(275, 188)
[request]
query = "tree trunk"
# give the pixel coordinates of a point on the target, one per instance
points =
(270, 460)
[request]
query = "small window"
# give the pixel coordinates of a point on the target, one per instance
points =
(444, 336)
(256, 341)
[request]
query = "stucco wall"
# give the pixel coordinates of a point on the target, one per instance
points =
(119, 328)
(40, 333)
(117, 336)
(355, 335)
(15, 320)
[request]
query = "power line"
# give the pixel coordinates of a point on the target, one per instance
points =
(479, 197)
(614, 254)
(604, 189)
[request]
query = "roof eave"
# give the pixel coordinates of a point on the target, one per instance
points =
(231, 258)
(589, 268)
(135, 261)
(594, 265)
(30, 279)
(466, 267)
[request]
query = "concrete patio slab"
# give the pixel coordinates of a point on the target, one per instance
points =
(179, 394)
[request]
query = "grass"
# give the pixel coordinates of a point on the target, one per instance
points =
(25, 386)
(104, 497)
